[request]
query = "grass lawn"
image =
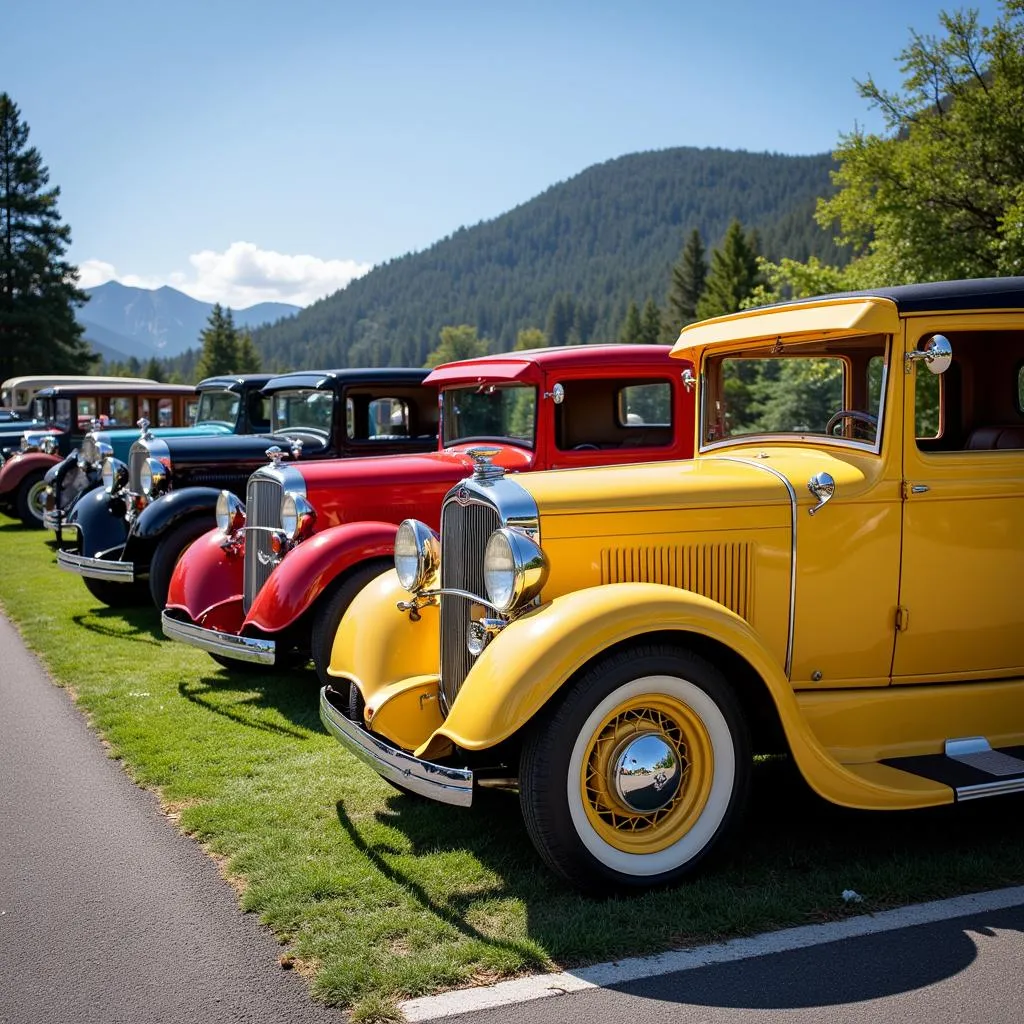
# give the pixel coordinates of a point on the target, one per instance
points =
(378, 896)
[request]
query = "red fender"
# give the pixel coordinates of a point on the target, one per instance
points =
(207, 584)
(20, 465)
(308, 569)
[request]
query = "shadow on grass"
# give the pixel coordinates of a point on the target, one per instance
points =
(792, 858)
(208, 692)
(138, 625)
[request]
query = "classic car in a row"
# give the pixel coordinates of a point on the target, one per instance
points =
(269, 586)
(229, 404)
(128, 535)
(835, 575)
(17, 393)
(63, 415)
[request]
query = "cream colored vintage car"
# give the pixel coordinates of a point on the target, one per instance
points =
(837, 574)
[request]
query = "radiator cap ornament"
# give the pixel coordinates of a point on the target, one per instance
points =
(483, 468)
(275, 454)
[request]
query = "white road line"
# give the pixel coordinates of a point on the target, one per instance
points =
(541, 986)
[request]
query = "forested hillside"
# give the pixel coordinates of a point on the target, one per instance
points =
(606, 237)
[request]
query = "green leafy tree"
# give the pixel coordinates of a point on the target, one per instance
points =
(457, 343)
(248, 358)
(632, 327)
(940, 194)
(38, 287)
(733, 274)
(530, 337)
(219, 344)
(688, 277)
(650, 323)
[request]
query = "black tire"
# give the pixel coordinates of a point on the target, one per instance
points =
(29, 503)
(604, 828)
(331, 607)
(116, 595)
(167, 554)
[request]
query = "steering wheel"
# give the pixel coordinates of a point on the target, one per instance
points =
(585, 447)
(863, 418)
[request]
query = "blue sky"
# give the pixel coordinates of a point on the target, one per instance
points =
(252, 151)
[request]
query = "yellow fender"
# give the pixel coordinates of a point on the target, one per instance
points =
(526, 664)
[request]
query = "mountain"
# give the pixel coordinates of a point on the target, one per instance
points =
(163, 322)
(570, 260)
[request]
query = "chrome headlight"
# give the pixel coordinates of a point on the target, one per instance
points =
(417, 554)
(153, 478)
(48, 445)
(230, 513)
(515, 569)
(115, 475)
(297, 516)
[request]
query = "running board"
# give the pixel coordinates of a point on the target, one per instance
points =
(970, 767)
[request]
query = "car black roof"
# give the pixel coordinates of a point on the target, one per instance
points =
(358, 375)
(234, 381)
(977, 293)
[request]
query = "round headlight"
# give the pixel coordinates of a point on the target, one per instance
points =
(153, 477)
(297, 516)
(230, 513)
(514, 569)
(417, 554)
(115, 475)
(48, 445)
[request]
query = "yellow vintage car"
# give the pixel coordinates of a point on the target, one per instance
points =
(837, 574)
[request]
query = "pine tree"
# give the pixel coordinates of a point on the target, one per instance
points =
(650, 323)
(153, 370)
(688, 278)
(632, 326)
(733, 275)
(38, 287)
(220, 345)
(249, 360)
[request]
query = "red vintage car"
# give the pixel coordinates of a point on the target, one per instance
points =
(270, 584)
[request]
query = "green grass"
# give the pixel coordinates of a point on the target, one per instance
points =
(378, 896)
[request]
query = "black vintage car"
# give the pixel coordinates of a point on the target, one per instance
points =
(149, 510)
(227, 404)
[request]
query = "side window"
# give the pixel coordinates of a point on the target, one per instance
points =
(643, 405)
(87, 412)
(259, 412)
(389, 417)
(350, 418)
(64, 413)
(1020, 389)
(165, 411)
(120, 411)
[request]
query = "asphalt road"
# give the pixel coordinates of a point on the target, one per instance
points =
(109, 915)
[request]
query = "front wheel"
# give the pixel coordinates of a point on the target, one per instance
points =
(639, 772)
(31, 500)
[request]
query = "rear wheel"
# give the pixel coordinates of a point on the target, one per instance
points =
(328, 614)
(638, 773)
(31, 500)
(167, 554)
(116, 595)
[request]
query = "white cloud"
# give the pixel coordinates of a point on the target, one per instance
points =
(241, 276)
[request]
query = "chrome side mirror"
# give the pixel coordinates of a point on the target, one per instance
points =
(822, 486)
(689, 380)
(556, 394)
(936, 354)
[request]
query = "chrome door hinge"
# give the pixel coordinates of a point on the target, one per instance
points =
(902, 619)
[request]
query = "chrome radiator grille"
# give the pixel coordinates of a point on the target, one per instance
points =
(136, 460)
(262, 515)
(464, 533)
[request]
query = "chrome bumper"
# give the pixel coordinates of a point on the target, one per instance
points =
(435, 781)
(228, 645)
(97, 568)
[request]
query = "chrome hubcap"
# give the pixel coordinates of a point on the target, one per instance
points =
(645, 773)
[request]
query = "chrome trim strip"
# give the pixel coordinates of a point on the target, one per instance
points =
(434, 781)
(229, 645)
(97, 568)
(792, 545)
(983, 789)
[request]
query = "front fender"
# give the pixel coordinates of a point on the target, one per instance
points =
(310, 567)
(207, 584)
(533, 658)
(101, 522)
(170, 509)
(19, 466)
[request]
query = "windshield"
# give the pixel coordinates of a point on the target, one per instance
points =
(218, 407)
(502, 412)
(302, 410)
(819, 388)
